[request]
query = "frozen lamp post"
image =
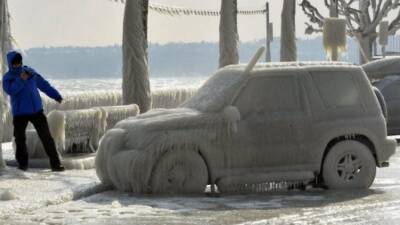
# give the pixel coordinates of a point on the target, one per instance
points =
(288, 31)
(270, 35)
(383, 36)
(334, 37)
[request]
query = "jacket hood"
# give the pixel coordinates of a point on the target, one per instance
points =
(10, 57)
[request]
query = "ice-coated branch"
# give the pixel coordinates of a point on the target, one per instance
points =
(311, 29)
(312, 13)
(351, 15)
(395, 24)
(384, 11)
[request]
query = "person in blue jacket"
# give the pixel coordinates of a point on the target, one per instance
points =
(21, 83)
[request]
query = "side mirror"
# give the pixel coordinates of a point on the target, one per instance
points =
(232, 116)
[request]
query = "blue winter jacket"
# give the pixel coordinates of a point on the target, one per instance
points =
(24, 94)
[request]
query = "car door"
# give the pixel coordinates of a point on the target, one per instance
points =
(274, 125)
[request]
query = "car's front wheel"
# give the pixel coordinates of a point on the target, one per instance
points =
(349, 164)
(179, 172)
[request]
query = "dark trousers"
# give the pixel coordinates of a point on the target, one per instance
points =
(39, 121)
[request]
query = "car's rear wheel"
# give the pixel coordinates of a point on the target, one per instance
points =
(180, 172)
(349, 165)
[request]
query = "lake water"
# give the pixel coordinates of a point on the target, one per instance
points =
(156, 83)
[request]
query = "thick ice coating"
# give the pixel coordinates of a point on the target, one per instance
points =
(272, 124)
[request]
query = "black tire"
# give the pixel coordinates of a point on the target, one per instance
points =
(180, 172)
(349, 165)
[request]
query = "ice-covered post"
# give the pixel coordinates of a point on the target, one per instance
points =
(288, 31)
(229, 38)
(333, 13)
(135, 83)
(3, 108)
(5, 34)
(268, 37)
(383, 36)
(5, 46)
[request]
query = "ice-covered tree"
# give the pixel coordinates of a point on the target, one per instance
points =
(228, 34)
(362, 18)
(135, 85)
(5, 46)
(5, 34)
(3, 110)
(288, 31)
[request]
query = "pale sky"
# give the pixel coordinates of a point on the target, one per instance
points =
(38, 23)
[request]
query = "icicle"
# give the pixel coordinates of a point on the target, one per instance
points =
(113, 114)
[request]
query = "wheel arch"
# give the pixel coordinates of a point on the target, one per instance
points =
(363, 139)
(195, 147)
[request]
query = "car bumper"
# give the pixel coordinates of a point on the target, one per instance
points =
(387, 149)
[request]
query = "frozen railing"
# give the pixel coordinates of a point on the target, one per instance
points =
(166, 98)
(79, 131)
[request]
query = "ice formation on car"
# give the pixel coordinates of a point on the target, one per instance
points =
(251, 121)
(126, 163)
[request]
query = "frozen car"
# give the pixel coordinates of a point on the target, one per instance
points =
(385, 74)
(319, 123)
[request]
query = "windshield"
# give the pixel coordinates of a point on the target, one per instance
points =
(217, 92)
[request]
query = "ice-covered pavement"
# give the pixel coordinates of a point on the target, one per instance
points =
(379, 205)
(35, 189)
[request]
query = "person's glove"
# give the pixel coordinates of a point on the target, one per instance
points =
(24, 75)
(59, 100)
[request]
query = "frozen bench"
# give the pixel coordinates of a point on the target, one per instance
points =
(78, 131)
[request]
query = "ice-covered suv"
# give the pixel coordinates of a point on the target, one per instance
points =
(311, 122)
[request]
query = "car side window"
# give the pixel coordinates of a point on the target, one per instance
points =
(337, 90)
(269, 95)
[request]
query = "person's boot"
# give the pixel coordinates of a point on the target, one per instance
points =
(23, 168)
(58, 168)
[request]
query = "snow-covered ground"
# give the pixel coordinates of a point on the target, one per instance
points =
(35, 189)
(56, 198)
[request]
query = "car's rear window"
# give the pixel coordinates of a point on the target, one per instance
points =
(337, 89)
